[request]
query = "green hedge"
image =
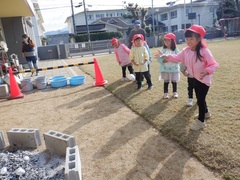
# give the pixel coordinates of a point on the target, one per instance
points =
(98, 36)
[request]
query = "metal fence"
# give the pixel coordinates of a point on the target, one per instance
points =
(93, 47)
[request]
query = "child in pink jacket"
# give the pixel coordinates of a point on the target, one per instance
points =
(200, 65)
(122, 56)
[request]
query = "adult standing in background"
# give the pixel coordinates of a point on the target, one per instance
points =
(28, 52)
(136, 30)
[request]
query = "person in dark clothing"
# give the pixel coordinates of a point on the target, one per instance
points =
(28, 52)
(137, 30)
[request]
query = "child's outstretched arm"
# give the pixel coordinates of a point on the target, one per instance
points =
(173, 57)
(158, 54)
(160, 57)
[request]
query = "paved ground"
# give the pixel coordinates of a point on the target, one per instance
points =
(114, 142)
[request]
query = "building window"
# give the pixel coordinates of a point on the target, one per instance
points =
(90, 17)
(173, 14)
(164, 17)
(98, 16)
(119, 14)
(165, 29)
(187, 26)
(174, 28)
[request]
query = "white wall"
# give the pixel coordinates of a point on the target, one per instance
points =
(206, 16)
(80, 17)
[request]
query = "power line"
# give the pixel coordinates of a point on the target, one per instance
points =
(90, 5)
(52, 8)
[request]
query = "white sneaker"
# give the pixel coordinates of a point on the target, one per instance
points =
(207, 115)
(198, 125)
(165, 96)
(190, 102)
(175, 95)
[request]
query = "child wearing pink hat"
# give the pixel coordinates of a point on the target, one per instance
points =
(200, 64)
(139, 58)
(122, 52)
(170, 72)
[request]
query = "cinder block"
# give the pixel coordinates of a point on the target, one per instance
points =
(4, 91)
(58, 142)
(2, 142)
(23, 137)
(73, 168)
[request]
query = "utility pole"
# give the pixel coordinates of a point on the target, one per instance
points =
(184, 19)
(73, 19)
(191, 12)
(153, 20)
(85, 13)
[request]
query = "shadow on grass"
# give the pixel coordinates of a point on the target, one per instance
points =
(93, 113)
(125, 91)
(152, 111)
(122, 136)
(159, 158)
(178, 128)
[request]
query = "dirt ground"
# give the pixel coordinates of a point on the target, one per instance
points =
(114, 142)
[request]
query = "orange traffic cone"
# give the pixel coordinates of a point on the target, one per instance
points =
(14, 89)
(99, 81)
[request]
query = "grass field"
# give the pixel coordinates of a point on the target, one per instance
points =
(218, 145)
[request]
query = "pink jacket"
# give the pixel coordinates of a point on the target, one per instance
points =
(122, 54)
(194, 68)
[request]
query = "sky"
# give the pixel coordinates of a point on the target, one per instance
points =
(55, 12)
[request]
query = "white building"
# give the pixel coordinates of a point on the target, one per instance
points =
(174, 17)
(177, 16)
(93, 16)
(18, 18)
(38, 21)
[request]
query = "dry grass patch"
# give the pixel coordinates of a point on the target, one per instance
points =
(218, 146)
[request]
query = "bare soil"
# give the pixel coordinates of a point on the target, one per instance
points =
(114, 142)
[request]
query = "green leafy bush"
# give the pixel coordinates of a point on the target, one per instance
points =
(98, 36)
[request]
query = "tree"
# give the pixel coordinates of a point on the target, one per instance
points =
(227, 9)
(238, 7)
(137, 13)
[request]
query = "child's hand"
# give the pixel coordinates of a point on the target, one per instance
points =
(135, 63)
(185, 73)
(202, 75)
(165, 57)
(159, 54)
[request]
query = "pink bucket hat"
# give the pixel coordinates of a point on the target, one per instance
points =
(136, 36)
(198, 29)
(114, 40)
(170, 36)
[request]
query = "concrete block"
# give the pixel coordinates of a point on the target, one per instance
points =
(2, 142)
(4, 91)
(58, 142)
(73, 168)
(23, 137)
